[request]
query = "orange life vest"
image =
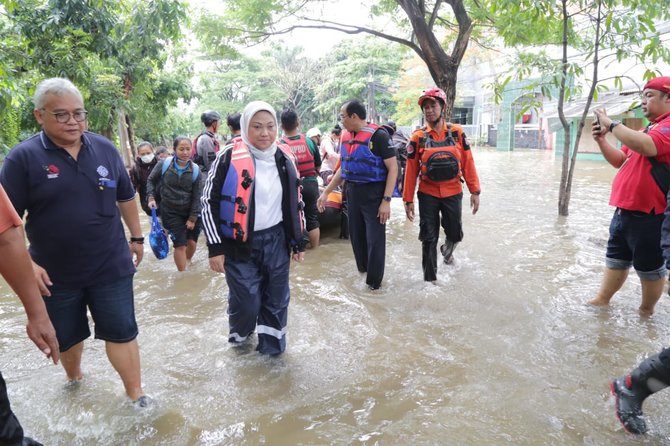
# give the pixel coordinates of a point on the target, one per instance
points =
(237, 193)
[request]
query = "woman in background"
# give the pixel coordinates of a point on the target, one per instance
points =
(178, 180)
(139, 173)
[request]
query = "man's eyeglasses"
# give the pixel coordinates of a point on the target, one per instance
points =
(63, 117)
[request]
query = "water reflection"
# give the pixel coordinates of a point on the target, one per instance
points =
(502, 350)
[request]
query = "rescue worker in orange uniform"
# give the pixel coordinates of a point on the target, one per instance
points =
(439, 155)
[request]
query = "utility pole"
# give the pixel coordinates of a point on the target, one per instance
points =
(372, 107)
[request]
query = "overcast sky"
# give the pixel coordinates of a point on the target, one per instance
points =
(315, 42)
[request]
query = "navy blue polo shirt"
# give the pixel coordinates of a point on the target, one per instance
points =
(73, 223)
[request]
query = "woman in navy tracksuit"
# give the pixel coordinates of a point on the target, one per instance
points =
(253, 219)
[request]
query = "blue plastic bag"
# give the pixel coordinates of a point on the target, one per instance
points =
(157, 238)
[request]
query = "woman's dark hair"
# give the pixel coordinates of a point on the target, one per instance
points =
(336, 130)
(144, 143)
(162, 149)
(179, 139)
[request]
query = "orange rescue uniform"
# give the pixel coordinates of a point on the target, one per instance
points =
(439, 189)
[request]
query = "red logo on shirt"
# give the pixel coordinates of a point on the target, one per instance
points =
(52, 171)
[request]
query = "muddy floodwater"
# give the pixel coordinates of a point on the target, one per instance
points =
(502, 350)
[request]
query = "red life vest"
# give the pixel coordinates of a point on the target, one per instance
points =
(194, 146)
(303, 155)
(441, 160)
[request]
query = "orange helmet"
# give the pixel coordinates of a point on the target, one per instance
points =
(433, 93)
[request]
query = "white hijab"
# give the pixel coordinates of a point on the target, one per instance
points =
(249, 111)
(268, 187)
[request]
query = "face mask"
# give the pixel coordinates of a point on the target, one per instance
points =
(146, 159)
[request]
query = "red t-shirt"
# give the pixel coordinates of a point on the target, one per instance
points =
(8, 216)
(634, 188)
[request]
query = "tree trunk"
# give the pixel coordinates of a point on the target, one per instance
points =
(123, 139)
(108, 132)
(564, 190)
(131, 136)
(443, 67)
(126, 128)
(568, 170)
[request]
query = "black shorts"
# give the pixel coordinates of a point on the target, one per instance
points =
(174, 221)
(635, 239)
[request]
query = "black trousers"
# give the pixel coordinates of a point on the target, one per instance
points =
(367, 234)
(344, 216)
(430, 209)
(11, 432)
(665, 357)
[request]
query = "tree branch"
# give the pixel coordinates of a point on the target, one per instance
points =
(326, 24)
(464, 29)
(433, 15)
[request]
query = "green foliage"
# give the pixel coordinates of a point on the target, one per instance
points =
(626, 33)
(115, 52)
(57, 35)
(227, 87)
(10, 129)
(152, 118)
(241, 16)
(436, 30)
(599, 31)
(285, 78)
(527, 23)
(216, 45)
(356, 68)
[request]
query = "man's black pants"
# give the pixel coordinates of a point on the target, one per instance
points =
(430, 209)
(367, 234)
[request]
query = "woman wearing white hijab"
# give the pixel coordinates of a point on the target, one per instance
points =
(252, 216)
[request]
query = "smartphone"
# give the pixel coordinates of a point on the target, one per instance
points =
(596, 123)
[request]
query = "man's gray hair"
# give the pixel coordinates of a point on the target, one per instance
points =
(56, 86)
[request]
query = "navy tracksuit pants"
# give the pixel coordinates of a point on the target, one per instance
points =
(259, 292)
(367, 235)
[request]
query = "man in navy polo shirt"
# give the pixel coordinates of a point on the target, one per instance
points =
(74, 187)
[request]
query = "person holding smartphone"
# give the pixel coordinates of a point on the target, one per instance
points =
(639, 236)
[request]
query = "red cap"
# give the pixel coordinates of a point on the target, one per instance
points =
(659, 83)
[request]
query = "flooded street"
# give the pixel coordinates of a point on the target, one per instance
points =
(502, 350)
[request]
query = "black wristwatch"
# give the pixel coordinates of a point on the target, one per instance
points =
(386, 198)
(138, 240)
(613, 124)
